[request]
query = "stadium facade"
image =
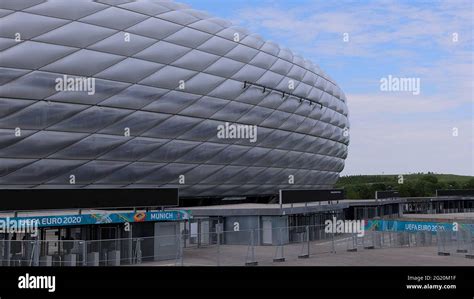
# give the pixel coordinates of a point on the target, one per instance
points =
(152, 84)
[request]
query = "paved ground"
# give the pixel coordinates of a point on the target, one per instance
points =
(237, 255)
(415, 256)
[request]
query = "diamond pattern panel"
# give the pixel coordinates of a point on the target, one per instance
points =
(166, 77)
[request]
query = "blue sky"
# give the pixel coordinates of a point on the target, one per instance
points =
(391, 132)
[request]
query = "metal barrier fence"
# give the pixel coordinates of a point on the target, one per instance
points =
(226, 248)
(460, 242)
(42, 253)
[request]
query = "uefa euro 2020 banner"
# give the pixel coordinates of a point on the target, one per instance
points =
(99, 218)
(415, 226)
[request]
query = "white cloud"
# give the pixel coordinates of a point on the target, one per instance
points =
(390, 132)
(399, 104)
(385, 140)
(407, 147)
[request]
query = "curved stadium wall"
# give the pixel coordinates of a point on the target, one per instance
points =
(138, 52)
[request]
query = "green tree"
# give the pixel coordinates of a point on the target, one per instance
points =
(379, 186)
(365, 192)
(430, 178)
(406, 189)
(452, 185)
(351, 193)
(469, 184)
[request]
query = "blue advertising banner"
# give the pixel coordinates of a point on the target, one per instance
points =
(415, 226)
(102, 218)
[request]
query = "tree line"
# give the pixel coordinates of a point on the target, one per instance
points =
(412, 185)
